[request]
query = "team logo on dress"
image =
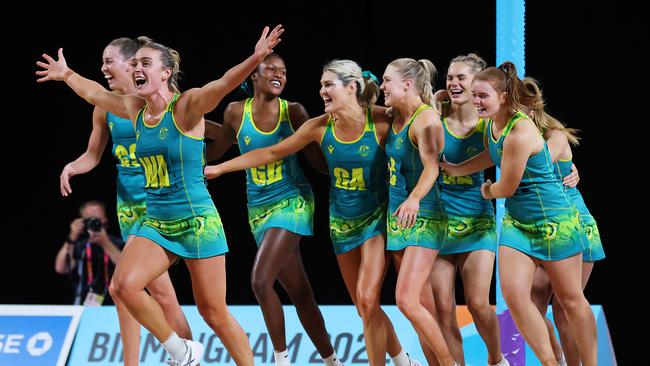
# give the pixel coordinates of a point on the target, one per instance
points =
(137, 135)
(500, 151)
(110, 126)
(471, 151)
(330, 148)
(399, 143)
(364, 150)
(247, 140)
(164, 131)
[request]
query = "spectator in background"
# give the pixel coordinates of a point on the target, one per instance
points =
(89, 254)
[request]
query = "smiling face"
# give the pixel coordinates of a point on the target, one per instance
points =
(459, 82)
(393, 87)
(334, 93)
(487, 100)
(116, 70)
(270, 77)
(149, 75)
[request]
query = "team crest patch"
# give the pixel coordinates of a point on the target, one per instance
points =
(164, 131)
(364, 150)
(399, 143)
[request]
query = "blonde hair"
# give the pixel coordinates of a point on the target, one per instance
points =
(169, 58)
(543, 120)
(474, 61)
(423, 73)
(348, 72)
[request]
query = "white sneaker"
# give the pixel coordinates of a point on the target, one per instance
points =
(503, 362)
(192, 356)
(413, 362)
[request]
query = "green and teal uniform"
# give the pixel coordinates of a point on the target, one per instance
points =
(540, 219)
(278, 194)
(181, 216)
(131, 208)
(405, 168)
(472, 225)
(357, 186)
(591, 236)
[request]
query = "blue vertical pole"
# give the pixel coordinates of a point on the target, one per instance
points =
(510, 47)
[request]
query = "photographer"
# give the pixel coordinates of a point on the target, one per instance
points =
(89, 255)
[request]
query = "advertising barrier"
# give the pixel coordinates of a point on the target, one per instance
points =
(38, 335)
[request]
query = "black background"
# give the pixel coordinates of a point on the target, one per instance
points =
(588, 60)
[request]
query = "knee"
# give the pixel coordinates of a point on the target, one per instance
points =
(261, 287)
(574, 303)
(122, 287)
(446, 309)
(215, 315)
(112, 290)
(367, 303)
(477, 305)
(407, 303)
(515, 300)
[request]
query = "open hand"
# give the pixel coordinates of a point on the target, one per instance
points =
(53, 69)
(267, 41)
(407, 213)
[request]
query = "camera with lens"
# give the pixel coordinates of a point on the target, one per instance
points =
(92, 224)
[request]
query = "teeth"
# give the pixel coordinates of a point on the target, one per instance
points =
(275, 83)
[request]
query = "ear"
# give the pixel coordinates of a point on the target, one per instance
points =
(503, 98)
(166, 74)
(407, 84)
(351, 88)
(254, 76)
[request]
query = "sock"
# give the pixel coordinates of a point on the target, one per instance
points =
(281, 358)
(175, 346)
(562, 360)
(332, 360)
(402, 359)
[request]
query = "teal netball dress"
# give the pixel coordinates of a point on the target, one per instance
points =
(591, 236)
(405, 168)
(540, 219)
(131, 208)
(278, 193)
(181, 216)
(472, 225)
(357, 186)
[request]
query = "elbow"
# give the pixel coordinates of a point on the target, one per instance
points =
(61, 269)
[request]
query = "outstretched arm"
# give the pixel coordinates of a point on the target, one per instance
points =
(292, 144)
(311, 152)
(91, 91)
(91, 157)
(200, 101)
